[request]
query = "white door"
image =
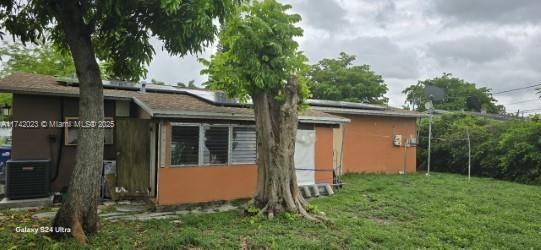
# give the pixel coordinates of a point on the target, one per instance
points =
(304, 157)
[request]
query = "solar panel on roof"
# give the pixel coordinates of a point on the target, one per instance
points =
(215, 97)
(341, 104)
(120, 85)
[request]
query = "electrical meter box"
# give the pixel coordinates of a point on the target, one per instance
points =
(412, 141)
(397, 140)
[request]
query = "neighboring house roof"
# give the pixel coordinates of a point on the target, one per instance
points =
(352, 108)
(160, 105)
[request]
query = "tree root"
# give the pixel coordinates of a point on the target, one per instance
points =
(263, 210)
(269, 211)
(311, 217)
(266, 210)
(78, 233)
(67, 218)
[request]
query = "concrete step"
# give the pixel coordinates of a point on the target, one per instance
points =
(309, 191)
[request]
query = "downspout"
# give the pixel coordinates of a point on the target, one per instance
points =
(159, 160)
(405, 156)
(60, 142)
(341, 162)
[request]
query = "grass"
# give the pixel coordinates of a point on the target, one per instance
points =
(372, 211)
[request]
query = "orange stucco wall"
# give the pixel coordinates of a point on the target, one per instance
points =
(368, 145)
(193, 184)
(206, 183)
(324, 154)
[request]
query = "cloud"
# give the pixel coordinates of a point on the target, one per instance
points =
(532, 53)
(385, 12)
(174, 69)
(381, 53)
(476, 49)
(490, 11)
(322, 14)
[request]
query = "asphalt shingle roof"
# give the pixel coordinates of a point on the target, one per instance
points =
(157, 104)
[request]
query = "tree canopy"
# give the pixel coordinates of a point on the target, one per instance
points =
(43, 59)
(257, 52)
(121, 30)
(338, 79)
(191, 85)
(459, 95)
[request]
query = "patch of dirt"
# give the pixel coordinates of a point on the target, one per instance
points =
(244, 243)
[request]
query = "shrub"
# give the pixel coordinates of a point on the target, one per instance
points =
(509, 150)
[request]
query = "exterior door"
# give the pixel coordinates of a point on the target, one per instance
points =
(132, 143)
(337, 136)
(304, 156)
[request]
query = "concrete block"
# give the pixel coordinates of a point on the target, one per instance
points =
(27, 204)
(111, 214)
(329, 189)
(315, 190)
(44, 215)
(306, 191)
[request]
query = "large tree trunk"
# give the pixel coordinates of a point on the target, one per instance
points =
(79, 211)
(276, 126)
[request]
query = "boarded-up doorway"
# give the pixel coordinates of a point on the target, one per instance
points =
(132, 142)
(304, 156)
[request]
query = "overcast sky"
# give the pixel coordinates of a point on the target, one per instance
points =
(494, 43)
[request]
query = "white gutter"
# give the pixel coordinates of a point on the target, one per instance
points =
(325, 120)
(240, 117)
(143, 106)
(368, 112)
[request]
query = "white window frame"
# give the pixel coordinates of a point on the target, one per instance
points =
(231, 145)
(76, 118)
(201, 146)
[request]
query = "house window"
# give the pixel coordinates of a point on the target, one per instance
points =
(243, 148)
(215, 145)
(202, 144)
(184, 145)
(71, 132)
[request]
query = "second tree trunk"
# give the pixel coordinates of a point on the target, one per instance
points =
(276, 125)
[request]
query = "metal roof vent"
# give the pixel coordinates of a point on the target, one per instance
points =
(143, 88)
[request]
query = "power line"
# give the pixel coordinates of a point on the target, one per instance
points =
(496, 93)
(443, 139)
(530, 110)
(516, 89)
(525, 101)
(518, 92)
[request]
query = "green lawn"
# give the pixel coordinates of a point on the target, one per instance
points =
(372, 211)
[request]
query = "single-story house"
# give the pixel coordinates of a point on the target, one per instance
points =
(178, 146)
